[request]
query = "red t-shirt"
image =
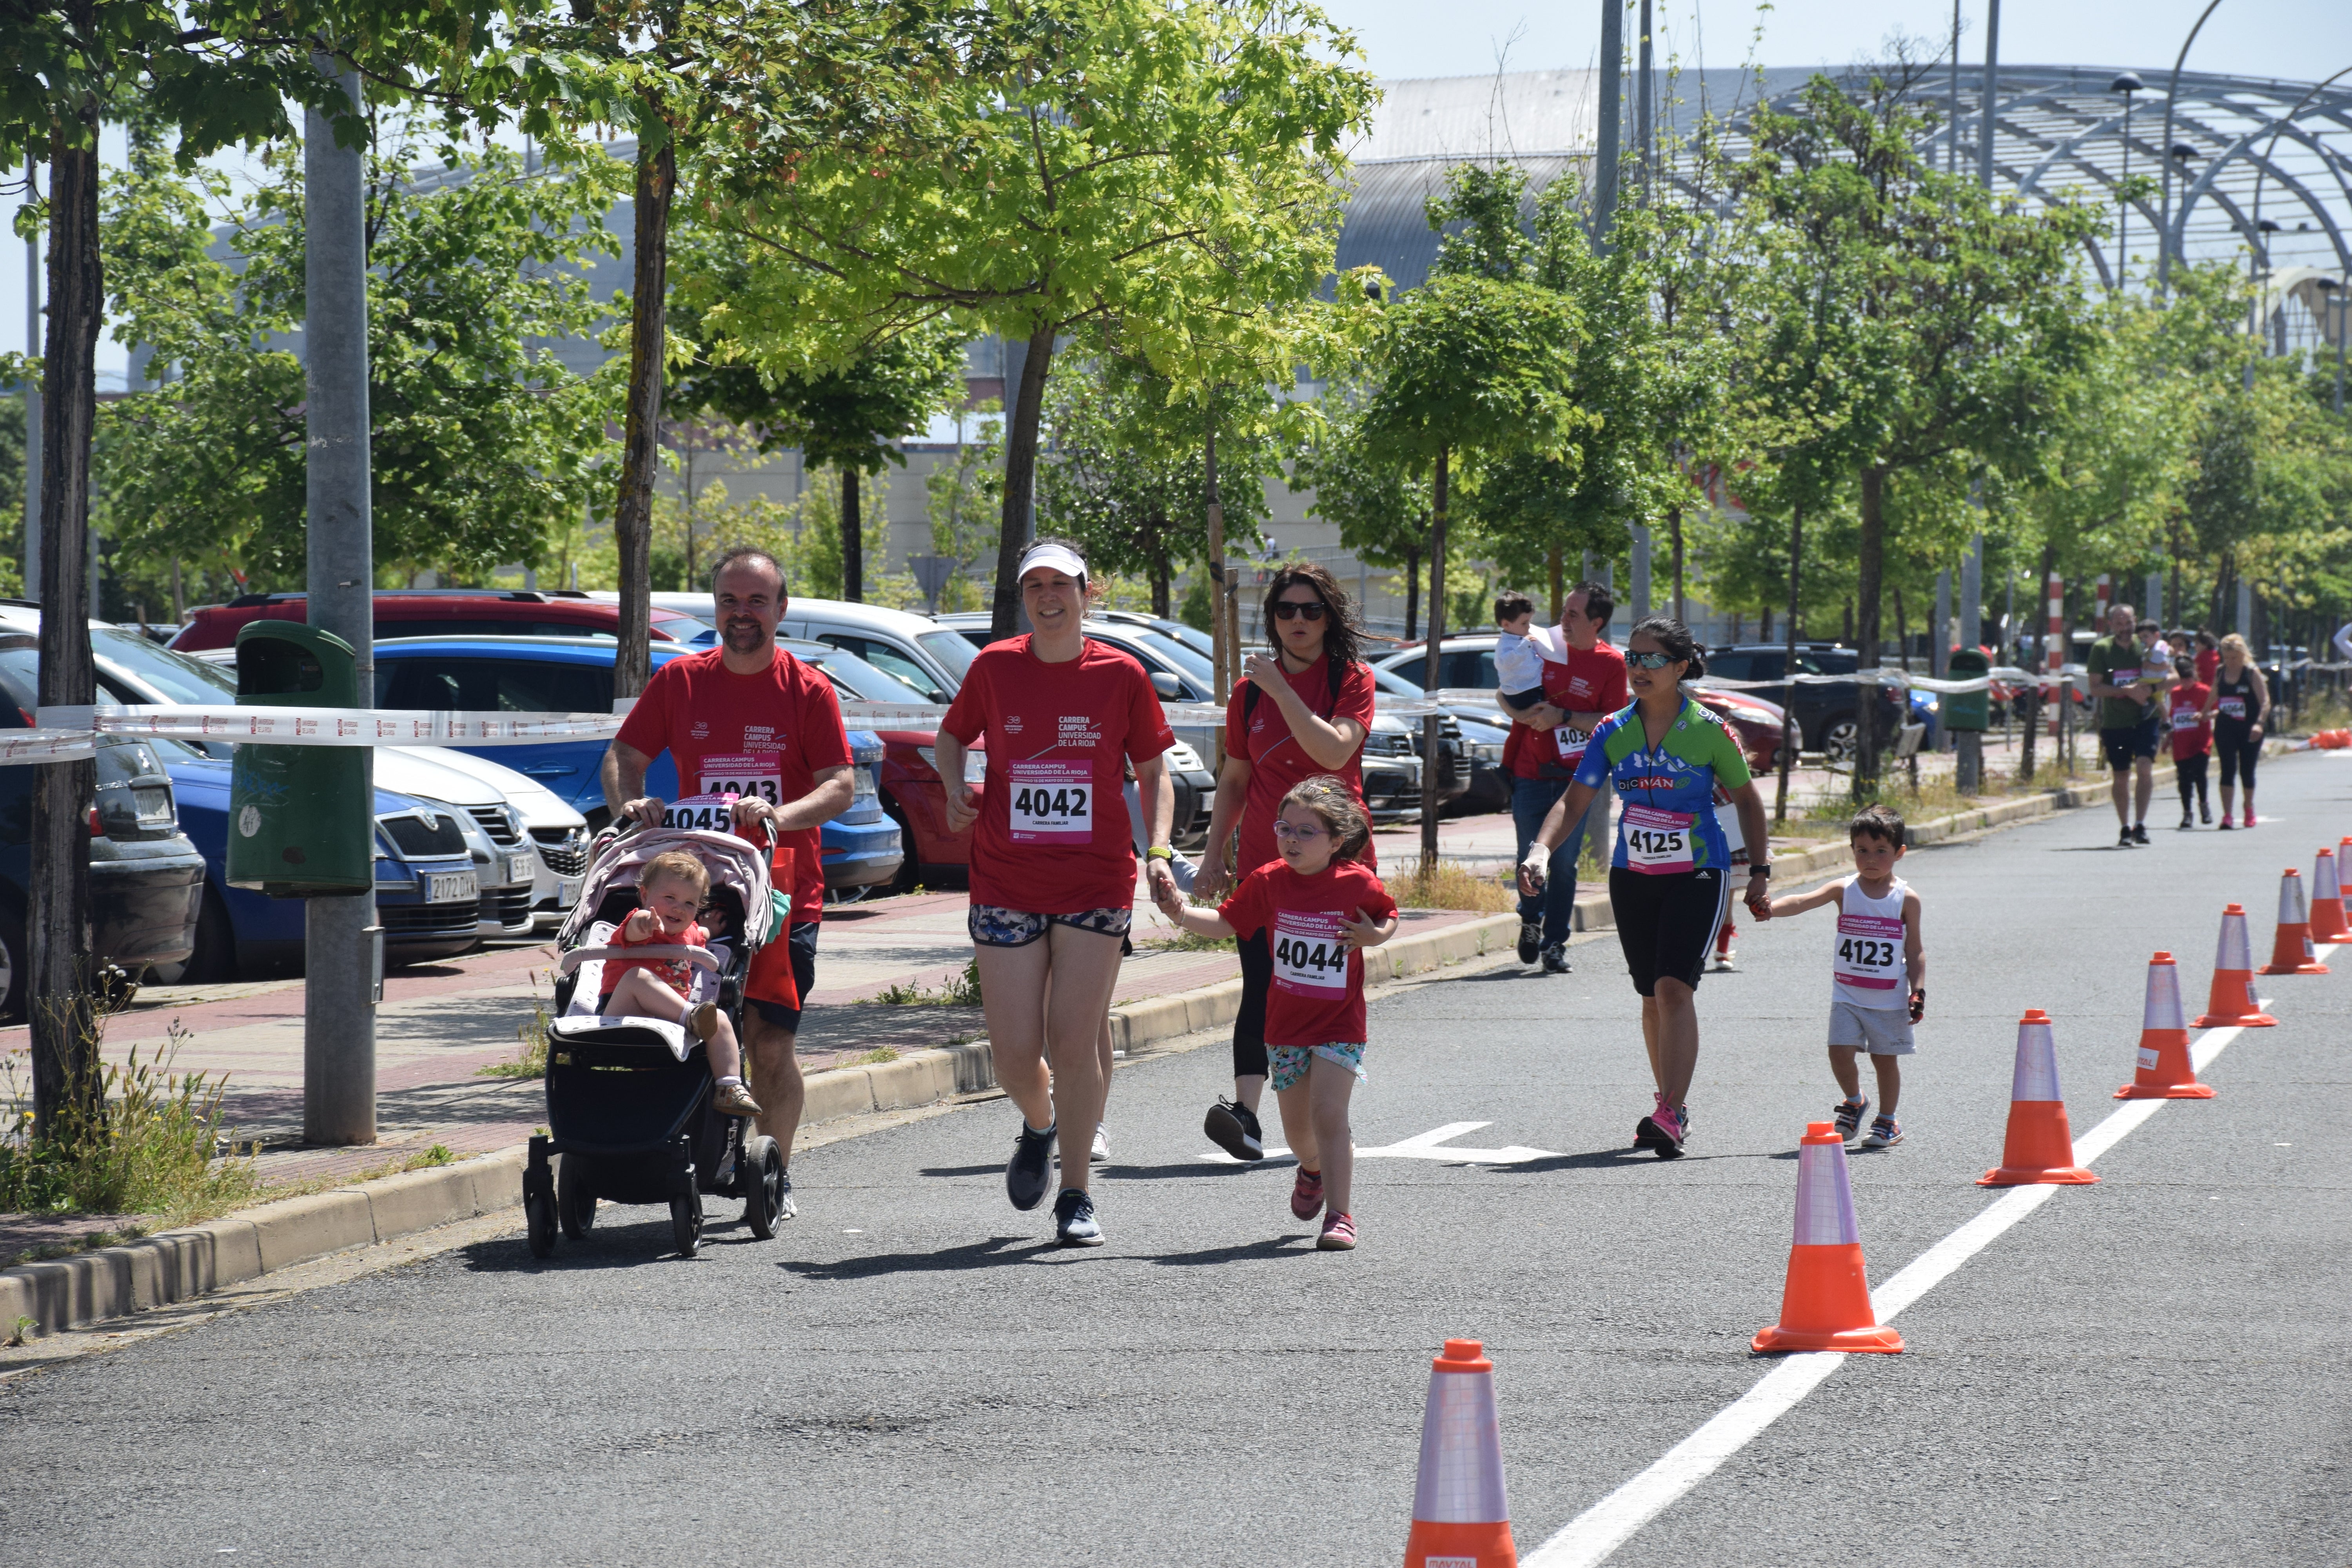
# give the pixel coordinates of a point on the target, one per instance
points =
(1318, 995)
(2209, 659)
(1592, 680)
(1053, 836)
(767, 734)
(2191, 735)
(675, 972)
(1277, 760)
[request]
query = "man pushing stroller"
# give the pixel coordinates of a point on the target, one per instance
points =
(670, 892)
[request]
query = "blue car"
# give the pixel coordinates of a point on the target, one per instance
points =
(428, 897)
(574, 675)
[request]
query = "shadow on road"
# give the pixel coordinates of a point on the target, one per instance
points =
(1272, 1246)
(995, 1251)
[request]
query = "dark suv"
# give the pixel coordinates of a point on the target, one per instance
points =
(1826, 711)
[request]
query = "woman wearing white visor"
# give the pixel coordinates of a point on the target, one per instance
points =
(1053, 865)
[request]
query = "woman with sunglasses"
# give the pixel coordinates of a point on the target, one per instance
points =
(1670, 873)
(1053, 863)
(1297, 712)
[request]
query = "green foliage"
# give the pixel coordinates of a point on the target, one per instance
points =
(964, 498)
(468, 276)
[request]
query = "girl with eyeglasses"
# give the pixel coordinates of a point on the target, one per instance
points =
(1320, 907)
(1670, 873)
(1299, 712)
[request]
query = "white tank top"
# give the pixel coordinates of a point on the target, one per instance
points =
(1867, 969)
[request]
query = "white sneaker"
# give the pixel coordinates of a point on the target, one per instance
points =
(1100, 1155)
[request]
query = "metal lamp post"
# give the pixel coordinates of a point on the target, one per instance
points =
(2128, 84)
(2338, 299)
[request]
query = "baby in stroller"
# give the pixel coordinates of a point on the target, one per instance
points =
(670, 892)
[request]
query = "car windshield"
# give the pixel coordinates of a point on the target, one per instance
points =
(1184, 659)
(952, 648)
(684, 628)
(1395, 684)
(179, 677)
(1192, 637)
(869, 683)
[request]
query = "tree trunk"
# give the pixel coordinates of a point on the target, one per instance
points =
(853, 539)
(61, 1012)
(1160, 573)
(1019, 481)
(1432, 728)
(1674, 526)
(1870, 566)
(1556, 564)
(1412, 593)
(1790, 736)
(632, 513)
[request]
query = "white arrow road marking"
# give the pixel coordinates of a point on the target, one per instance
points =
(1432, 1145)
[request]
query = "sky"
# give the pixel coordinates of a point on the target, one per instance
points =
(2293, 39)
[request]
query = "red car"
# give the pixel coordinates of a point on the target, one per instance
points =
(1757, 722)
(433, 611)
(916, 798)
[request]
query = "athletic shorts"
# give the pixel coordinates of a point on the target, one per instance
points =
(2120, 746)
(803, 944)
(1881, 1031)
(993, 925)
(1287, 1065)
(1666, 924)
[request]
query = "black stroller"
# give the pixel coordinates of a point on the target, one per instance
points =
(629, 1098)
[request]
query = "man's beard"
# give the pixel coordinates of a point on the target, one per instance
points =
(745, 638)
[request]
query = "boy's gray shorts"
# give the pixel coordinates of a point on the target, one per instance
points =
(1881, 1031)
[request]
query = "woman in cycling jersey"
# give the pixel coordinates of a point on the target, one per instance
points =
(1670, 872)
(1299, 712)
(1053, 864)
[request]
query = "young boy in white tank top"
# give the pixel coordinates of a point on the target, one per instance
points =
(1877, 961)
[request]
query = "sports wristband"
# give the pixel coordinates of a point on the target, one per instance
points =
(1159, 852)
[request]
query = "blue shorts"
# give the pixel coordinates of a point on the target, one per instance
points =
(1287, 1065)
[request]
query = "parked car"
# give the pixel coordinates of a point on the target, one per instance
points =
(574, 675)
(1479, 783)
(451, 611)
(146, 879)
(912, 647)
(1827, 713)
(1191, 636)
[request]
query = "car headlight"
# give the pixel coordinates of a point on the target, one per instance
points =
(1488, 752)
(1181, 755)
(975, 763)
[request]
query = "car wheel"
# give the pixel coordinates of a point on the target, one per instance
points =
(1839, 738)
(15, 967)
(214, 958)
(911, 868)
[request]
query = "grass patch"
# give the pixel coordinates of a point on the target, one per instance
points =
(90, 1243)
(531, 1061)
(1420, 885)
(1191, 941)
(963, 991)
(874, 1058)
(143, 1140)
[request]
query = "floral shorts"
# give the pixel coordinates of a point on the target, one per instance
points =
(1287, 1065)
(993, 925)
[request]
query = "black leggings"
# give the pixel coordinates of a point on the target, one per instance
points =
(1249, 1023)
(2239, 751)
(2192, 775)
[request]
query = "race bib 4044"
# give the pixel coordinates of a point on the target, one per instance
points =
(1656, 842)
(1053, 800)
(1309, 953)
(757, 774)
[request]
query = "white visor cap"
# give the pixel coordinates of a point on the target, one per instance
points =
(1060, 557)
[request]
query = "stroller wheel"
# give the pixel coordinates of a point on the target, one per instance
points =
(761, 1177)
(539, 1219)
(685, 1222)
(575, 1201)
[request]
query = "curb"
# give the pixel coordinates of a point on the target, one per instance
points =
(179, 1265)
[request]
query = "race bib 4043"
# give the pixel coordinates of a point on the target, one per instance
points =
(1869, 952)
(1656, 842)
(1570, 741)
(1053, 800)
(756, 773)
(709, 812)
(1309, 953)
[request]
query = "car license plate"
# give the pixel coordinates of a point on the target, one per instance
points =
(568, 892)
(519, 868)
(449, 888)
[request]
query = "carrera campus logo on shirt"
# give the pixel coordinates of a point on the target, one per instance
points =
(1580, 686)
(761, 737)
(1076, 730)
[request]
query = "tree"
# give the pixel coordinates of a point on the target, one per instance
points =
(1073, 164)
(964, 499)
(472, 273)
(1379, 505)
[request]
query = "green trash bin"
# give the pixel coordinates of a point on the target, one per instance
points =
(299, 824)
(1967, 709)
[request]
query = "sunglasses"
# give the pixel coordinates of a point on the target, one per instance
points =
(1290, 610)
(1650, 660)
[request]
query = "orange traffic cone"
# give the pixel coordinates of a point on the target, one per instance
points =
(2291, 949)
(2164, 1071)
(2328, 901)
(2233, 999)
(1460, 1517)
(1825, 1302)
(2040, 1148)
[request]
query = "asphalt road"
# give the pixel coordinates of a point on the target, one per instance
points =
(2147, 1371)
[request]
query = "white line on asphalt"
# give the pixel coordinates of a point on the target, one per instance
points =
(1422, 1146)
(1594, 1535)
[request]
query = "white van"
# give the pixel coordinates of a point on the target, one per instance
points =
(915, 649)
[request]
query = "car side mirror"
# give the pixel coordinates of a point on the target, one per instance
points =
(1167, 686)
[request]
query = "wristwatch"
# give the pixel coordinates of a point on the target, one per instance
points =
(1755, 870)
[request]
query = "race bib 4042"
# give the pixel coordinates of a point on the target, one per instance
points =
(1053, 800)
(1309, 953)
(1656, 842)
(757, 773)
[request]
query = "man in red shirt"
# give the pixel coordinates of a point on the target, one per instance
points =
(747, 719)
(1547, 742)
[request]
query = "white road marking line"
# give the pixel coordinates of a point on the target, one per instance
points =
(1594, 1535)
(1422, 1146)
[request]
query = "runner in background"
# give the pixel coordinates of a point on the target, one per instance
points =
(2238, 706)
(2192, 744)
(1670, 874)
(749, 720)
(2209, 656)
(1300, 712)
(1053, 864)
(1546, 743)
(2127, 694)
